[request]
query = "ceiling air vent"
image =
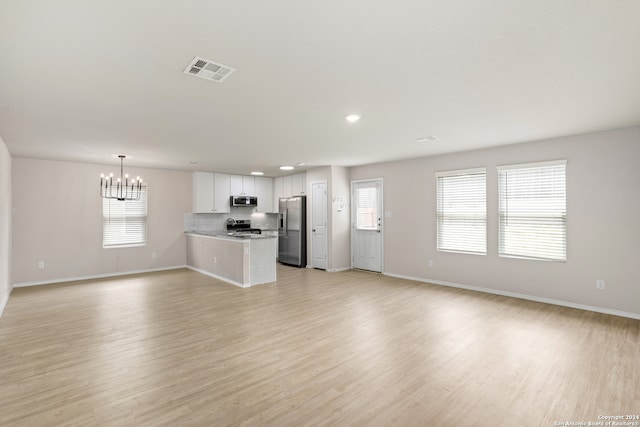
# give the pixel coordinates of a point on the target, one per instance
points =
(208, 70)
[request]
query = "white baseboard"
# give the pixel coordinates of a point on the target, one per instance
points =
(215, 276)
(331, 270)
(520, 296)
(95, 276)
(4, 302)
(336, 270)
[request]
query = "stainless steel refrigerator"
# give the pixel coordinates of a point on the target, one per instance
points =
(292, 231)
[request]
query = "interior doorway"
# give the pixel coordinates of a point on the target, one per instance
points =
(319, 236)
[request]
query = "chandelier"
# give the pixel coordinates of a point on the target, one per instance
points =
(123, 188)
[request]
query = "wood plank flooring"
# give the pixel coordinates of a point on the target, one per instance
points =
(316, 348)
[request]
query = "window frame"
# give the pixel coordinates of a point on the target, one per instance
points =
(108, 216)
(440, 213)
(503, 216)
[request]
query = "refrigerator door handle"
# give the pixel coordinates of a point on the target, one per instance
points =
(286, 222)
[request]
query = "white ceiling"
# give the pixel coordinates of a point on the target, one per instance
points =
(84, 80)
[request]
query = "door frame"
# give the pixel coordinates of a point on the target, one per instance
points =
(326, 213)
(354, 182)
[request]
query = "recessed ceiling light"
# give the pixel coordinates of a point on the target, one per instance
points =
(302, 164)
(286, 168)
(352, 118)
(257, 173)
(430, 138)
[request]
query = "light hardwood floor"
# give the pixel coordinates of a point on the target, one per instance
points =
(346, 349)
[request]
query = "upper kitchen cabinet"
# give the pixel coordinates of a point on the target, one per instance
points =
(210, 192)
(299, 184)
(264, 193)
(242, 185)
(222, 195)
(290, 185)
(286, 186)
(203, 192)
(278, 191)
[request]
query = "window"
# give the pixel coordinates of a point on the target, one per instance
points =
(462, 211)
(532, 211)
(124, 223)
(367, 208)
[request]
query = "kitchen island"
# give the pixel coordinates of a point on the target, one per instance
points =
(242, 261)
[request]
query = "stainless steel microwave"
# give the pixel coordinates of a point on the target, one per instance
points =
(250, 201)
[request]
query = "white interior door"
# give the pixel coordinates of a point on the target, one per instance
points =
(366, 238)
(319, 224)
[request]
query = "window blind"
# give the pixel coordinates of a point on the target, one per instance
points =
(124, 222)
(366, 208)
(532, 211)
(462, 211)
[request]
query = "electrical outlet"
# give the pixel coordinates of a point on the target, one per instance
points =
(215, 259)
(430, 263)
(41, 264)
(600, 284)
(154, 255)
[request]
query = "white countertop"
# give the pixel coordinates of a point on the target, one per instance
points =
(223, 235)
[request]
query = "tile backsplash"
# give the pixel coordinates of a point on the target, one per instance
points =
(208, 222)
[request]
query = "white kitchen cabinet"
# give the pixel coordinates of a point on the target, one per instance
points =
(249, 185)
(241, 185)
(286, 186)
(210, 192)
(278, 191)
(299, 184)
(290, 185)
(203, 192)
(222, 194)
(264, 193)
(235, 185)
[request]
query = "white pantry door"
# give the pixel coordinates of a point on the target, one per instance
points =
(319, 224)
(366, 236)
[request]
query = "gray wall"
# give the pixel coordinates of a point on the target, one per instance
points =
(5, 225)
(57, 219)
(339, 212)
(603, 207)
(338, 222)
